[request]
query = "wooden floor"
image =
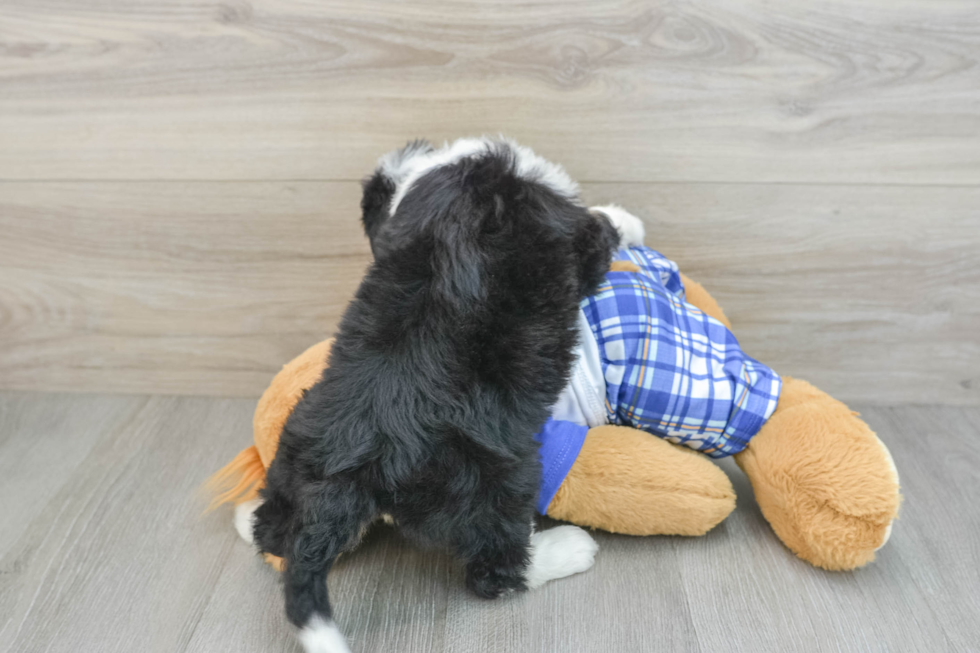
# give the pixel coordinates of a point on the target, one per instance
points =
(103, 548)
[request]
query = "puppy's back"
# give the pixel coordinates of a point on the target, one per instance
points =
(458, 340)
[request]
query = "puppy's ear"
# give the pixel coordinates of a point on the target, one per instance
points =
(378, 190)
(595, 242)
(380, 187)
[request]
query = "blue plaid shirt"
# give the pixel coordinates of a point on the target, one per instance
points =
(669, 369)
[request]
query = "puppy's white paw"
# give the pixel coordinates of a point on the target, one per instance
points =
(559, 552)
(630, 228)
(245, 519)
(320, 636)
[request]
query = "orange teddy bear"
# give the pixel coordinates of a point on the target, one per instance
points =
(824, 481)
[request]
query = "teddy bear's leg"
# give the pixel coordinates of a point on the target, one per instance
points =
(823, 479)
(629, 481)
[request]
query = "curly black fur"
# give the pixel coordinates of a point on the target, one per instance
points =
(458, 341)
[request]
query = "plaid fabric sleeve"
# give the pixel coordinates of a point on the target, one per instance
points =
(672, 370)
(657, 266)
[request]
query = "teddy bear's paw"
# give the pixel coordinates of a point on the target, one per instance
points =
(842, 531)
(823, 479)
(888, 534)
(559, 552)
(894, 473)
(630, 228)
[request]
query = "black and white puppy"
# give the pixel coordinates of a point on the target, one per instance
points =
(446, 362)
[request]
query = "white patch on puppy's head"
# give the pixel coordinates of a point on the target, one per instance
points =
(406, 166)
(395, 164)
(412, 168)
(532, 167)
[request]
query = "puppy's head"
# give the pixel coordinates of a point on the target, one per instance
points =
(483, 217)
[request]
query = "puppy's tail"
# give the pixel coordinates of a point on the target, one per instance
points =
(308, 607)
(238, 481)
(310, 537)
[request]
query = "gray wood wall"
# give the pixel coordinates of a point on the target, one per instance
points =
(178, 196)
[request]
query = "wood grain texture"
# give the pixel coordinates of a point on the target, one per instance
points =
(115, 557)
(43, 441)
(622, 90)
(119, 558)
(872, 292)
(179, 288)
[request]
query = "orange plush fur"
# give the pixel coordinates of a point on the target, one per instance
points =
(823, 480)
(626, 481)
(242, 478)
